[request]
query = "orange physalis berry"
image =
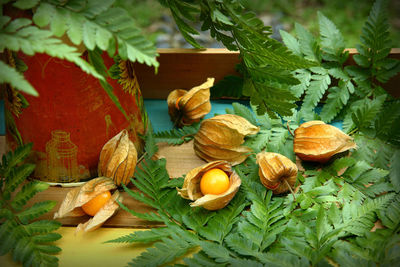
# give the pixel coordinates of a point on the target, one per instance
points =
(96, 203)
(214, 182)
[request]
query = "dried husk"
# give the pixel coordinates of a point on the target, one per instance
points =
(221, 138)
(191, 187)
(193, 104)
(118, 158)
(105, 212)
(78, 196)
(317, 141)
(274, 169)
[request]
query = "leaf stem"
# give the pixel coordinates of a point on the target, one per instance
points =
(287, 126)
(290, 188)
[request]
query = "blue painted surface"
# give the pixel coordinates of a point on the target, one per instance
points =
(158, 113)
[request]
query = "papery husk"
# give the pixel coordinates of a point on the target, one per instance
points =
(193, 105)
(317, 141)
(234, 155)
(77, 197)
(171, 102)
(274, 169)
(221, 138)
(118, 158)
(105, 212)
(191, 187)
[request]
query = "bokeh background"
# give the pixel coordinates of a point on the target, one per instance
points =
(348, 15)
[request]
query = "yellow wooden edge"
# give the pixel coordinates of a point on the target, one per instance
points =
(89, 249)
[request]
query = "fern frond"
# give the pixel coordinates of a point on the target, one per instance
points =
(38, 209)
(390, 216)
(308, 44)
(314, 93)
(154, 234)
(163, 252)
(31, 39)
(178, 136)
(337, 99)
(394, 173)
(219, 226)
(229, 86)
(101, 25)
(363, 116)
(26, 193)
(245, 112)
(15, 79)
(291, 42)
(332, 41)
(360, 219)
(28, 239)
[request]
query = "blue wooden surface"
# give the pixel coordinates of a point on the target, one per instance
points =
(158, 113)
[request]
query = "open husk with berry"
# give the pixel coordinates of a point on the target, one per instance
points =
(76, 198)
(191, 186)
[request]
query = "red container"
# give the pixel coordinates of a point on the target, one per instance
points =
(72, 118)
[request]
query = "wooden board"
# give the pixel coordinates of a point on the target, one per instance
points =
(185, 68)
(180, 160)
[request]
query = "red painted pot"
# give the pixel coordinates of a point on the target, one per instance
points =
(72, 118)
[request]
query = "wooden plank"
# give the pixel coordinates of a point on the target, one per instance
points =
(185, 68)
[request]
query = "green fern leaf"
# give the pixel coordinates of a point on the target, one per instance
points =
(29, 242)
(178, 136)
(215, 251)
(162, 252)
(25, 4)
(15, 79)
(150, 143)
(291, 42)
(243, 111)
(308, 45)
(31, 40)
(260, 141)
(315, 91)
(337, 99)
(362, 218)
(394, 173)
(389, 116)
(39, 208)
(390, 217)
(27, 192)
(154, 234)
(229, 86)
(18, 175)
(241, 245)
(304, 76)
(101, 25)
(42, 227)
(219, 226)
(46, 238)
(364, 115)
(197, 218)
(332, 41)
(201, 259)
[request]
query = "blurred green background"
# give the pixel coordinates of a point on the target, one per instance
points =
(348, 15)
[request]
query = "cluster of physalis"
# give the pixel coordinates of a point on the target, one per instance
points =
(117, 164)
(219, 141)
